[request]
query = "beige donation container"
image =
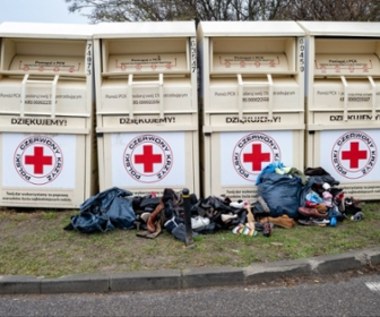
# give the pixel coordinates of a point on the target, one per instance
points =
(147, 108)
(46, 113)
(253, 102)
(343, 104)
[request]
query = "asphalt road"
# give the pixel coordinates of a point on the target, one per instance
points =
(357, 296)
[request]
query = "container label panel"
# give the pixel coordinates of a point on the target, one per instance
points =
(226, 96)
(244, 155)
(146, 99)
(350, 156)
(259, 62)
(70, 99)
(47, 64)
(38, 161)
(346, 64)
(331, 95)
(146, 160)
(147, 62)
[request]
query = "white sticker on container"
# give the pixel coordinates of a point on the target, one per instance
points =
(38, 160)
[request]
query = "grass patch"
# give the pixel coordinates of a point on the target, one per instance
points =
(34, 243)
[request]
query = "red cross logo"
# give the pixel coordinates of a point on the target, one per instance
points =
(256, 157)
(147, 158)
(38, 160)
(354, 154)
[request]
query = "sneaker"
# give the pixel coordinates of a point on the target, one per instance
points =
(305, 222)
(320, 221)
(199, 222)
(237, 204)
(227, 217)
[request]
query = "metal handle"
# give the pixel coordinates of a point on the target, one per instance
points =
(26, 81)
(154, 83)
(242, 84)
(345, 97)
(345, 105)
(373, 85)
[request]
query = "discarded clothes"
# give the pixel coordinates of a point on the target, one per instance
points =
(285, 196)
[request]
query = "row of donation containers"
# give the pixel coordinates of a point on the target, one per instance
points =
(84, 108)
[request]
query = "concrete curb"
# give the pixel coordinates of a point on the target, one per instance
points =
(189, 278)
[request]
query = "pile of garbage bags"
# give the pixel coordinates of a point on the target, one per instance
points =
(286, 197)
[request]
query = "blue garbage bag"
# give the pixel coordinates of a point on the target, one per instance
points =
(281, 193)
(104, 211)
(121, 213)
(90, 223)
(101, 202)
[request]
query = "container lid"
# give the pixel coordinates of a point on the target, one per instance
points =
(46, 30)
(339, 28)
(249, 28)
(145, 29)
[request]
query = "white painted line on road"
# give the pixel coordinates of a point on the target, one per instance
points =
(373, 286)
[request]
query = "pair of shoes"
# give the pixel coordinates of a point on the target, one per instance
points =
(199, 222)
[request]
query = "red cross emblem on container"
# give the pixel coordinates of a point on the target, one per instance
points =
(252, 153)
(354, 154)
(38, 159)
(148, 158)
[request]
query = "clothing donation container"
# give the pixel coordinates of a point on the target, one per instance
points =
(46, 114)
(343, 104)
(147, 108)
(253, 102)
